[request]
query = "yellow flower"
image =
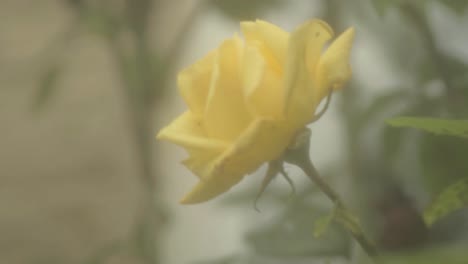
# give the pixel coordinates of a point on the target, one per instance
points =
(247, 99)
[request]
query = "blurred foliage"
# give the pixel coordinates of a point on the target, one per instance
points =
(458, 6)
(451, 254)
(437, 126)
(383, 162)
(47, 86)
(144, 78)
(419, 164)
(100, 21)
(53, 58)
(223, 260)
(382, 6)
(291, 234)
(322, 223)
(443, 160)
(453, 197)
(101, 255)
(245, 9)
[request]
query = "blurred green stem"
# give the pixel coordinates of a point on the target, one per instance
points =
(417, 15)
(139, 114)
(142, 81)
(300, 157)
(173, 54)
(345, 216)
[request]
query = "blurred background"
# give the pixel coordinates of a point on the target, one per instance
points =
(86, 84)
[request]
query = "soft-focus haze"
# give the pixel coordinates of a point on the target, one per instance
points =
(70, 185)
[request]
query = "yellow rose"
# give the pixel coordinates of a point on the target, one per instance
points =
(247, 99)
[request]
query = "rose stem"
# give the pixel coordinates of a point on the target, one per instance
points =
(356, 231)
(301, 158)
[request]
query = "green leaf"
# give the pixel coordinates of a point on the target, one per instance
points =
(457, 128)
(452, 198)
(322, 223)
(348, 220)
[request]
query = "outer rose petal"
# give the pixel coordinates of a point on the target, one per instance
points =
(263, 87)
(200, 162)
(226, 114)
(254, 147)
(333, 68)
(205, 190)
(187, 131)
(305, 46)
(194, 83)
(271, 39)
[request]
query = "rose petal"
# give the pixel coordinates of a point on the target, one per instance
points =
(272, 40)
(263, 88)
(304, 50)
(194, 83)
(226, 114)
(187, 131)
(333, 68)
(253, 148)
(200, 162)
(206, 190)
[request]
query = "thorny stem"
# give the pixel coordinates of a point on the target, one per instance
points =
(354, 229)
(300, 157)
(273, 168)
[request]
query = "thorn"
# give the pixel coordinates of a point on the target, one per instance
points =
(324, 109)
(290, 181)
(273, 168)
